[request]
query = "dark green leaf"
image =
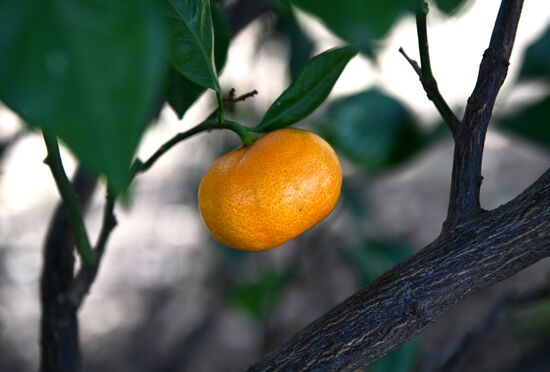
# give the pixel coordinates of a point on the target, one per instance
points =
(191, 41)
(181, 93)
(450, 6)
(371, 129)
(536, 62)
(258, 296)
(531, 123)
(308, 91)
(361, 23)
(87, 71)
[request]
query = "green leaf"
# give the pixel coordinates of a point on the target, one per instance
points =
(191, 41)
(450, 6)
(181, 93)
(531, 122)
(257, 296)
(308, 91)
(360, 23)
(371, 129)
(87, 71)
(536, 62)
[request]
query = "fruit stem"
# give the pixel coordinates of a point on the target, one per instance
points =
(243, 132)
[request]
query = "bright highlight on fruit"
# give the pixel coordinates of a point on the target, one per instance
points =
(261, 196)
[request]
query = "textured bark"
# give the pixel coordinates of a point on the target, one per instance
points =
(476, 254)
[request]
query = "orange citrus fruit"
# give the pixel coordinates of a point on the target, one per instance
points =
(260, 196)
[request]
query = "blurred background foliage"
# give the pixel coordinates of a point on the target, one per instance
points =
(102, 65)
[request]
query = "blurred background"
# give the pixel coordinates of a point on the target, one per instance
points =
(169, 298)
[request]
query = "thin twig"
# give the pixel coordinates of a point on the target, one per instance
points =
(412, 62)
(231, 99)
(53, 160)
(424, 70)
(140, 167)
(422, 32)
(208, 124)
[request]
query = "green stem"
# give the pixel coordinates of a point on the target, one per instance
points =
(140, 167)
(76, 221)
(243, 132)
(208, 124)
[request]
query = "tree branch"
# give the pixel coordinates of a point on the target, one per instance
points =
(59, 325)
(83, 281)
(403, 301)
(207, 125)
(481, 250)
(470, 137)
(425, 73)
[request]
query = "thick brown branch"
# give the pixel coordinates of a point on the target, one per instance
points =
(402, 302)
(470, 136)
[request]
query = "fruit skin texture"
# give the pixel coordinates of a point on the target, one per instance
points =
(259, 197)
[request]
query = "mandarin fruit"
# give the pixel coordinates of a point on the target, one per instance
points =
(261, 196)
